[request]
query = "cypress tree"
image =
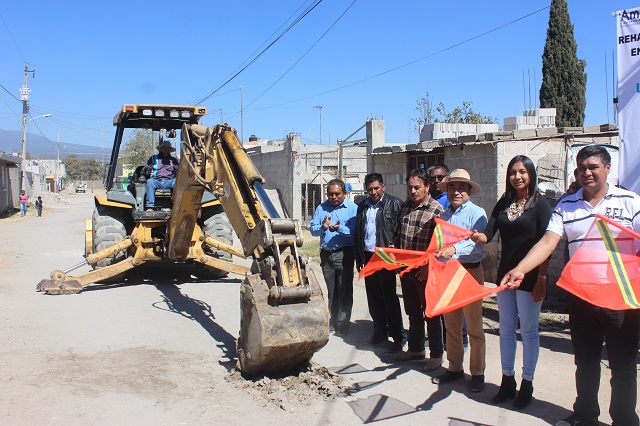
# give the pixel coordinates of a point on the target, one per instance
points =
(564, 81)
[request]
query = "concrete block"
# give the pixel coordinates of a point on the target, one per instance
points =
(546, 131)
(481, 137)
(498, 136)
(609, 127)
(605, 140)
(382, 149)
(466, 138)
(412, 147)
(569, 129)
(524, 133)
(591, 129)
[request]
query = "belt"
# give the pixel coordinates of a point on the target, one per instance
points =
(335, 250)
(470, 265)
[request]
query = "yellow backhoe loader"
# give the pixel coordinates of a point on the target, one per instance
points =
(284, 319)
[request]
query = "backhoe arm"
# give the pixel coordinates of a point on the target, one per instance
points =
(284, 317)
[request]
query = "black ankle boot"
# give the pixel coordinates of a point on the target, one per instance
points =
(507, 390)
(524, 395)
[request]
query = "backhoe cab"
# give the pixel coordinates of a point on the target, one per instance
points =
(284, 319)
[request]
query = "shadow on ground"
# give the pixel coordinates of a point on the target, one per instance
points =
(167, 277)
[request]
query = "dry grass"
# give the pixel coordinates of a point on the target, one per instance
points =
(549, 320)
(311, 246)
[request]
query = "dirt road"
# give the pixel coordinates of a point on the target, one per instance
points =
(161, 350)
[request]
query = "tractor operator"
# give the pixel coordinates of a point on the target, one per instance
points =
(160, 171)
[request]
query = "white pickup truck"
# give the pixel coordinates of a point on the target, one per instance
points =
(81, 186)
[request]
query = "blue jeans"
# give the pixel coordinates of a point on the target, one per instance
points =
(514, 304)
(152, 185)
(23, 209)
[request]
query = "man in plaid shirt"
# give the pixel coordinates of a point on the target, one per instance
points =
(413, 232)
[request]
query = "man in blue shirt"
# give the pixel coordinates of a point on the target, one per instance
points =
(334, 221)
(438, 173)
(463, 213)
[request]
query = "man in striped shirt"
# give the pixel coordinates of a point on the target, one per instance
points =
(590, 324)
(413, 232)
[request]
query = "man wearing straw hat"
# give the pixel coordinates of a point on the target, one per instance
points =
(161, 171)
(463, 213)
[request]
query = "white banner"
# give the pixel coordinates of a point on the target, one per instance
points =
(628, 41)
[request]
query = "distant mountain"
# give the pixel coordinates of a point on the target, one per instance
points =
(40, 147)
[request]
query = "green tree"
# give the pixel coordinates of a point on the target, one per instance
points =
(424, 106)
(460, 114)
(564, 81)
(82, 168)
(463, 114)
(139, 147)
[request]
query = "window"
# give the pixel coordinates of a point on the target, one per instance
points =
(423, 160)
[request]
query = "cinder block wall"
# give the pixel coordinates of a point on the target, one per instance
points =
(277, 167)
(487, 163)
(393, 168)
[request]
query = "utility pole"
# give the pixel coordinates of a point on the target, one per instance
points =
(24, 97)
(57, 185)
(241, 117)
(319, 107)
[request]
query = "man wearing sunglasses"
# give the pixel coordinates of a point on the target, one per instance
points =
(438, 173)
(334, 221)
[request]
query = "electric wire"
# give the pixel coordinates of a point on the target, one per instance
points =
(453, 46)
(303, 55)
(293, 24)
(262, 45)
(14, 41)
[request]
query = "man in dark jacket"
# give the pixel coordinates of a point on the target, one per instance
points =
(161, 170)
(375, 222)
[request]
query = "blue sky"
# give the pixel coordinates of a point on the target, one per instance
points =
(93, 56)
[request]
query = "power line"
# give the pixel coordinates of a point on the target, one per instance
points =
(10, 94)
(14, 41)
(406, 64)
(293, 24)
(264, 43)
(40, 131)
(303, 55)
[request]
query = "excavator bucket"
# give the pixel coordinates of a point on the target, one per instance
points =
(276, 337)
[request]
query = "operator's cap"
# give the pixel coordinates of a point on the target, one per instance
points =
(165, 143)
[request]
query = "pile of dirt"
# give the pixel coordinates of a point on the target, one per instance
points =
(300, 388)
(49, 199)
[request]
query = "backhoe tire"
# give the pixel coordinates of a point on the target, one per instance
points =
(216, 224)
(108, 228)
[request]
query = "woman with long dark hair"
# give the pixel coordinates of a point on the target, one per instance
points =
(521, 215)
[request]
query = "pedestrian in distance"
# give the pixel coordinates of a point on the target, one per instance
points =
(160, 170)
(24, 200)
(334, 221)
(413, 232)
(592, 325)
(376, 220)
(39, 206)
(463, 213)
(521, 216)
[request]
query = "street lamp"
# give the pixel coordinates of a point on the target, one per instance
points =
(319, 107)
(23, 185)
